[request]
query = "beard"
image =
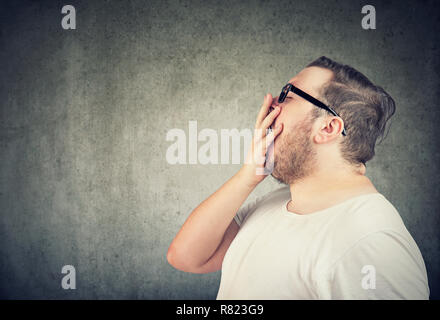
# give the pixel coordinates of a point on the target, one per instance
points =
(294, 155)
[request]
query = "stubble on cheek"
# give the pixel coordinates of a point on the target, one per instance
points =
(294, 154)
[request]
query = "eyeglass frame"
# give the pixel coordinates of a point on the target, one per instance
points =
(290, 87)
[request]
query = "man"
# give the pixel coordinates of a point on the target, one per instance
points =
(328, 235)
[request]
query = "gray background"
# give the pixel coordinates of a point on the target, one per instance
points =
(85, 112)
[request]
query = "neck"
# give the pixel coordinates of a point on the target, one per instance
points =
(327, 187)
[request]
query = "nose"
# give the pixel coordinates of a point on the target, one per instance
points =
(275, 103)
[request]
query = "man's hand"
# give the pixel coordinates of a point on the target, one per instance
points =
(260, 156)
(202, 242)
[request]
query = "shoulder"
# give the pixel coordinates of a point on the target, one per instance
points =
(366, 220)
(368, 214)
(381, 265)
(371, 233)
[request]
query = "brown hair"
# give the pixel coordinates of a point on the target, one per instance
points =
(364, 107)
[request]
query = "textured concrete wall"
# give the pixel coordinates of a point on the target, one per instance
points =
(85, 112)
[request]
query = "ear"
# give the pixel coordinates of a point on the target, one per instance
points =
(329, 129)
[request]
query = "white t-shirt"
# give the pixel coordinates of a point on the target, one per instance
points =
(357, 249)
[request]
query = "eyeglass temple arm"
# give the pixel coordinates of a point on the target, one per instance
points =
(316, 102)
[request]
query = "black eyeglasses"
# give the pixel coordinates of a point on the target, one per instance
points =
(290, 87)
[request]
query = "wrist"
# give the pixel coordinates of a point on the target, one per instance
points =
(247, 176)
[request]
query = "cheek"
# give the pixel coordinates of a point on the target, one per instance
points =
(281, 117)
(286, 116)
(286, 120)
(291, 120)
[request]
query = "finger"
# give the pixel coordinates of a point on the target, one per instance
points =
(275, 132)
(259, 134)
(264, 109)
(268, 139)
(270, 118)
(259, 154)
(260, 144)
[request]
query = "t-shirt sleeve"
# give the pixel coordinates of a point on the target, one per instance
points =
(247, 209)
(384, 265)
